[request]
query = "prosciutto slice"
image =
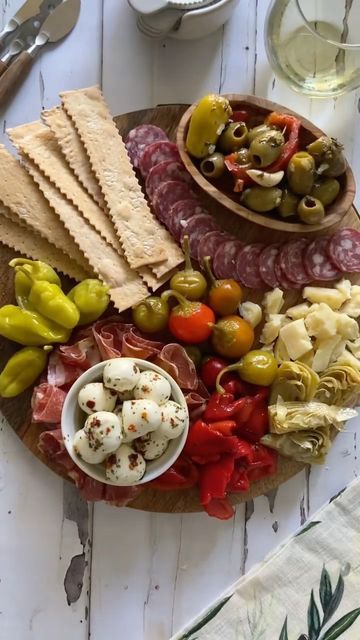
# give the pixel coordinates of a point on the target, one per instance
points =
(135, 346)
(174, 359)
(47, 403)
(108, 334)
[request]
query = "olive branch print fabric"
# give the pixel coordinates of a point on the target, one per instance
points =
(308, 589)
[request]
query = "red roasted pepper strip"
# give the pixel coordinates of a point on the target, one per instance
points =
(239, 480)
(220, 509)
(237, 387)
(183, 474)
(238, 171)
(240, 115)
(292, 125)
(257, 424)
(264, 463)
(204, 444)
(222, 406)
(214, 478)
(225, 427)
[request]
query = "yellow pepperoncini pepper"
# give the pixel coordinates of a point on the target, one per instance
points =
(30, 271)
(29, 327)
(91, 298)
(22, 370)
(206, 124)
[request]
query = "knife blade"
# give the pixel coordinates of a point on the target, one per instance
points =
(27, 10)
(56, 26)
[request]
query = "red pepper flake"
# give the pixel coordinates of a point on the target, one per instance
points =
(144, 416)
(90, 404)
(108, 430)
(133, 461)
(111, 460)
(132, 427)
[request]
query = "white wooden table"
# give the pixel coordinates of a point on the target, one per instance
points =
(68, 569)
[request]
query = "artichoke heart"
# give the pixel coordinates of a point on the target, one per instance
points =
(308, 447)
(286, 417)
(339, 385)
(295, 381)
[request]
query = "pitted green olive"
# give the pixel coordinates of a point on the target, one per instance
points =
(233, 137)
(311, 210)
(258, 131)
(266, 148)
(300, 173)
(326, 190)
(288, 205)
(328, 156)
(262, 199)
(213, 166)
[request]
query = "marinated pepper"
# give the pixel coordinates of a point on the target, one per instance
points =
(207, 122)
(31, 270)
(91, 298)
(189, 283)
(232, 337)
(257, 367)
(49, 300)
(151, 315)
(292, 126)
(22, 370)
(29, 327)
(190, 322)
(224, 295)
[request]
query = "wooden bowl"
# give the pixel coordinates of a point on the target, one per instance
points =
(308, 132)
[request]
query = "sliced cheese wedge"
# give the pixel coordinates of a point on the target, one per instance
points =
(296, 338)
(273, 301)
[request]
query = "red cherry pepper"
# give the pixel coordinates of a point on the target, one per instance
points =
(183, 474)
(214, 478)
(292, 125)
(190, 322)
(210, 370)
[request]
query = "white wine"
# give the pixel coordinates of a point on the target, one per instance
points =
(307, 55)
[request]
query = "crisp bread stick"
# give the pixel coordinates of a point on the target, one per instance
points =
(36, 141)
(105, 261)
(32, 245)
(136, 226)
(24, 199)
(68, 139)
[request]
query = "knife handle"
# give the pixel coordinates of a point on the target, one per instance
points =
(3, 67)
(13, 75)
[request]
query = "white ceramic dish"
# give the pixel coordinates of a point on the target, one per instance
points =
(202, 22)
(73, 418)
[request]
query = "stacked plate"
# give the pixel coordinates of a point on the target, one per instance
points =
(183, 19)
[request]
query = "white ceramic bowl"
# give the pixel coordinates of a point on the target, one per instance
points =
(73, 418)
(201, 22)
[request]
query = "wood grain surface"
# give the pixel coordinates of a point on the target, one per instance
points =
(17, 412)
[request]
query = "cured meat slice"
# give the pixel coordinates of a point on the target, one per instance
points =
(344, 250)
(141, 137)
(47, 403)
(247, 266)
(181, 211)
(267, 261)
(210, 242)
(283, 280)
(224, 262)
(156, 153)
(291, 258)
(196, 227)
(167, 194)
(317, 262)
(174, 359)
(163, 172)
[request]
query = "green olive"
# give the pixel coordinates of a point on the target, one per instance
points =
(328, 156)
(288, 205)
(326, 190)
(262, 199)
(300, 173)
(266, 148)
(233, 137)
(242, 156)
(311, 210)
(259, 131)
(213, 166)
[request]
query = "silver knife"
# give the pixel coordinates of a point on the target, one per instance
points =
(56, 26)
(26, 11)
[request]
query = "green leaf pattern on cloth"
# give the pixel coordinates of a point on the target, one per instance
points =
(307, 589)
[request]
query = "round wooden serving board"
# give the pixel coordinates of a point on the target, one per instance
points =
(17, 410)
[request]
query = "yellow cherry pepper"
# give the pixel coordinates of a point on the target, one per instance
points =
(207, 122)
(37, 270)
(22, 370)
(91, 298)
(29, 327)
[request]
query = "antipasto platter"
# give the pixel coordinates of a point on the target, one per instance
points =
(48, 150)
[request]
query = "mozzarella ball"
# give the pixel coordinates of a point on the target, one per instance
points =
(139, 417)
(85, 449)
(121, 374)
(173, 420)
(126, 466)
(103, 430)
(94, 397)
(151, 446)
(153, 386)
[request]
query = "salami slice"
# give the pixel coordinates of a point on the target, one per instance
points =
(317, 262)
(180, 212)
(267, 261)
(196, 227)
(247, 266)
(344, 250)
(210, 242)
(291, 259)
(167, 194)
(141, 137)
(224, 262)
(156, 153)
(164, 172)
(283, 280)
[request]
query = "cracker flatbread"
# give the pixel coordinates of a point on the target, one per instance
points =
(32, 245)
(26, 202)
(137, 228)
(105, 261)
(39, 144)
(68, 139)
